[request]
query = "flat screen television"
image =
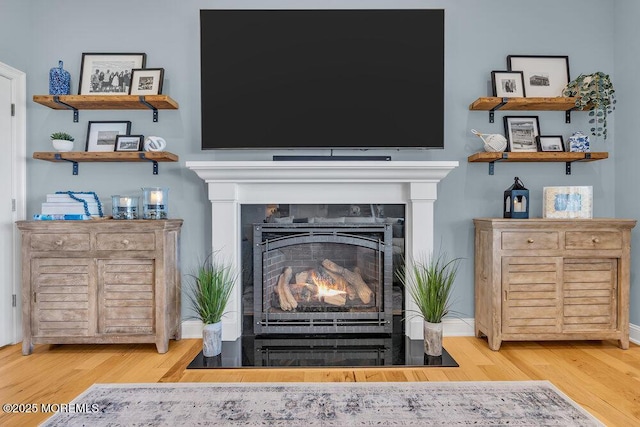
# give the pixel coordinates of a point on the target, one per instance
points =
(347, 78)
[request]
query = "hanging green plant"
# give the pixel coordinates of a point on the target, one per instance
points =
(594, 92)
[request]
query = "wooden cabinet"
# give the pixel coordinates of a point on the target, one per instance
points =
(100, 281)
(550, 279)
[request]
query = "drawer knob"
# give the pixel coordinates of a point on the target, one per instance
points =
(125, 242)
(529, 240)
(59, 242)
(595, 240)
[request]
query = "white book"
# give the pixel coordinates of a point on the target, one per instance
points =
(67, 198)
(69, 208)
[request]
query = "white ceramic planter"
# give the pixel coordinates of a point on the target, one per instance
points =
(433, 338)
(62, 145)
(212, 339)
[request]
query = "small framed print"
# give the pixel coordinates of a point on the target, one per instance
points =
(108, 73)
(544, 76)
(508, 84)
(101, 136)
(551, 143)
(567, 202)
(146, 81)
(522, 133)
(129, 142)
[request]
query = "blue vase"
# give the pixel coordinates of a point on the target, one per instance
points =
(59, 81)
(579, 142)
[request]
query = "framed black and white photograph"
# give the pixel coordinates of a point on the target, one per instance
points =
(129, 142)
(551, 143)
(508, 84)
(101, 136)
(522, 133)
(147, 81)
(544, 76)
(108, 73)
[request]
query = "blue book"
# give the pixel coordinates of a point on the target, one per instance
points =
(57, 217)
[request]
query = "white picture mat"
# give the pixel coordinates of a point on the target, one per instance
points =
(567, 202)
(555, 69)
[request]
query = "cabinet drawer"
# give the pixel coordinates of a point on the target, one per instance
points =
(593, 240)
(60, 242)
(125, 241)
(530, 240)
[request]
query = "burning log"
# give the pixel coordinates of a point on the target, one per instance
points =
(302, 277)
(339, 282)
(363, 291)
(338, 299)
(287, 301)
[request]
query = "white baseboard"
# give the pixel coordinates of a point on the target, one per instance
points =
(634, 333)
(191, 329)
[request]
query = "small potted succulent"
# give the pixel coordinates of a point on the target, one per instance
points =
(62, 141)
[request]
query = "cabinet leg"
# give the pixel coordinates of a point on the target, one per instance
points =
(494, 343)
(162, 346)
(623, 343)
(27, 347)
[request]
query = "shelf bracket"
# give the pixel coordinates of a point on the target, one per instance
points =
(567, 167)
(155, 163)
(505, 156)
(144, 102)
(76, 115)
(497, 107)
(74, 163)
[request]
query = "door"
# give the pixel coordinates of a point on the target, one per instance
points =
(6, 217)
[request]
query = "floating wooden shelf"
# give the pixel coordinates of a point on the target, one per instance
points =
(107, 156)
(107, 102)
(492, 104)
(560, 156)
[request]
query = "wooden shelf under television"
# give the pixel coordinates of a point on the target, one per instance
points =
(75, 157)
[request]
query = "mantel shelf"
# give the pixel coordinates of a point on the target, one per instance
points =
(75, 157)
(559, 156)
(492, 104)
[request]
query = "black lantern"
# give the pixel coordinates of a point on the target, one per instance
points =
(516, 201)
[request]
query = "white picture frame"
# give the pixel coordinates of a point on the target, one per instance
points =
(544, 76)
(575, 202)
(102, 135)
(108, 73)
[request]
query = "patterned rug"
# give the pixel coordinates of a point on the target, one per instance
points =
(516, 403)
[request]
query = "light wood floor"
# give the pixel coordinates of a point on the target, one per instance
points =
(598, 375)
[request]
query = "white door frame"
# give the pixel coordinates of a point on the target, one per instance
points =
(18, 188)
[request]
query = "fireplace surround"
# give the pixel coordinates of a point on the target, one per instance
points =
(231, 184)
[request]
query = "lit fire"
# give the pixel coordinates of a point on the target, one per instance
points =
(324, 287)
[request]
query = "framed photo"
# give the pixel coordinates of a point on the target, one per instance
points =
(544, 76)
(567, 202)
(551, 143)
(108, 73)
(129, 142)
(508, 84)
(522, 133)
(101, 136)
(146, 81)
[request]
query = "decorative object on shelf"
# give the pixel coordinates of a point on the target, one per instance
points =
(146, 81)
(108, 73)
(62, 141)
(508, 84)
(86, 198)
(154, 143)
(155, 203)
(128, 143)
(492, 142)
(544, 76)
(567, 202)
(522, 132)
(208, 295)
(124, 207)
(516, 201)
(59, 81)
(430, 284)
(101, 135)
(579, 143)
(594, 92)
(550, 143)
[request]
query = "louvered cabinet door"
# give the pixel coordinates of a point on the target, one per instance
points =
(531, 295)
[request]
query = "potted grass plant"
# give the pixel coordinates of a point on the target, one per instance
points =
(209, 293)
(430, 283)
(62, 141)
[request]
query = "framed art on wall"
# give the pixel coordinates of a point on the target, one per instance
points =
(522, 133)
(551, 143)
(101, 136)
(147, 81)
(508, 84)
(567, 202)
(108, 73)
(544, 76)
(129, 142)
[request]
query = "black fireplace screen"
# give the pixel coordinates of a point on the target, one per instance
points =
(322, 278)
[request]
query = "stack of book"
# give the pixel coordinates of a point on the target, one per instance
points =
(63, 206)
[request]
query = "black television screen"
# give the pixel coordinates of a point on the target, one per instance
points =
(346, 78)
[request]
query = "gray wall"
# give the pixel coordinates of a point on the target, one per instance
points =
(34, 35)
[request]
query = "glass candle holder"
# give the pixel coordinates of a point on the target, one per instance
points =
(124, 207)
(155, 203)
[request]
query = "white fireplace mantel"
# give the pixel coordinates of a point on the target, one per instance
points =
(234, 183)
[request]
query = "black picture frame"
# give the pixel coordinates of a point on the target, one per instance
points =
(550, 143)
(544, 75)
(146, 81)
(129, 143)
(522, 133)
(97, 72)
(508, 84)
(101, 135)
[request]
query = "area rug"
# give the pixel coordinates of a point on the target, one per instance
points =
(517, 403)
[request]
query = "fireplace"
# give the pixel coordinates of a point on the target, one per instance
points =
(231, 184)
(326, 278)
